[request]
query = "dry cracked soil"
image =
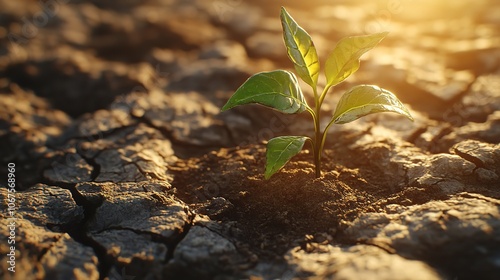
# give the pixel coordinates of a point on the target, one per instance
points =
(125, 167)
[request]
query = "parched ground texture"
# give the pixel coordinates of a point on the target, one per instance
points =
(127, 169)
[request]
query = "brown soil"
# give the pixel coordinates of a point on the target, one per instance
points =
(273, 215)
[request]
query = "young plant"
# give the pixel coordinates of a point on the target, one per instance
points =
(280, 90)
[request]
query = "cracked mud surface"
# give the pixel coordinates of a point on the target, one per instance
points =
(126, 169)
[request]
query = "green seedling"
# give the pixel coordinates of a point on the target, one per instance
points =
(280, 90)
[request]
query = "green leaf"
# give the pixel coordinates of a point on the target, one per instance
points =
(280, 150)
(344, 60)
(300, 49)
(363, 100)
(276, 89)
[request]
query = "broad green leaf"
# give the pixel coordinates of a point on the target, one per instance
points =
(300, 49)
(363, 100)
(344, 59)
(276, 89)
(280, 150)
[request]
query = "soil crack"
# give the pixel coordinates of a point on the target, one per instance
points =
(79, 232)
(96, 168)
(172, 245)
(478, 162)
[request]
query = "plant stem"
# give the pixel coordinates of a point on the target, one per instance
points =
(317, 136)
(323, 137)
(317, 151)
(323, 95)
